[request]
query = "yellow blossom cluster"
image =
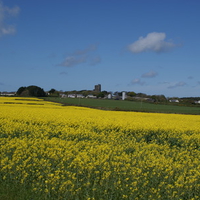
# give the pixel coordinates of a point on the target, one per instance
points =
(49, 151)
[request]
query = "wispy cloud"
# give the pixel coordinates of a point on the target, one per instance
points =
(179, 84)
(95, 60)
(52, 55)
(190, 77)
(63, 73)
(137, 81)
(152, 42)
(5, 13)
(81, 56)
(71, 61)
(85, 51)
(150, 74)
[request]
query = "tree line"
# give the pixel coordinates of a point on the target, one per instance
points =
(35, 91)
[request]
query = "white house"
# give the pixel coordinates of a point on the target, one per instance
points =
(79, 96)
(174, 100)
(71, 95)
(8, 94)
(123, 95)
(63, 95)
(109, 96)
(91, 96)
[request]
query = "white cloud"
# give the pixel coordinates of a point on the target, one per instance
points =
(6, 12)
(150, 74)
(152, 42)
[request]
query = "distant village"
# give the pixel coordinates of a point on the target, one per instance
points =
(97, 93)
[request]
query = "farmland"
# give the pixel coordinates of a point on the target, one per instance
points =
(50, 151)
(140, 106)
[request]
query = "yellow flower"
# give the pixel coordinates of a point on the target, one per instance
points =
(75, 151)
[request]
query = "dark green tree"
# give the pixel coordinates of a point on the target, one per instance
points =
(32, 90)
(52, 91)
(21, 90)
(131, 94)
(159, 98)
(102, 94)
(36, 91)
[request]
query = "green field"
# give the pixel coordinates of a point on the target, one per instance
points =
(141, 106)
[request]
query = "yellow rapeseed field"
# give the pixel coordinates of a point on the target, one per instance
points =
(49, 151)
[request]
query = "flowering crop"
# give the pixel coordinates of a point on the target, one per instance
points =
(49, 151)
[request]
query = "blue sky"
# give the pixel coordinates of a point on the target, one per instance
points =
(147, 46)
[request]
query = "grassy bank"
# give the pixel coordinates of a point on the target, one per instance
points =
(127, 105)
